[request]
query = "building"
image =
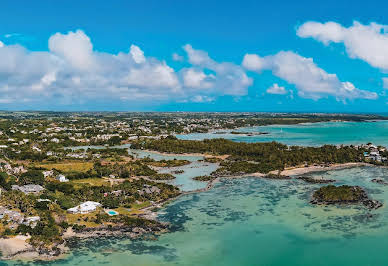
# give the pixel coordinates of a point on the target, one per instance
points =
(27, 189)
(31, 221)
(62, 178)
(48, 173)
(86, 207)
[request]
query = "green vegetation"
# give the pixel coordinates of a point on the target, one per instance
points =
(204, 178)
(212, 160)
(255, 157)
(339, 194)
(162, 176)
(164, 163)
(31, 177)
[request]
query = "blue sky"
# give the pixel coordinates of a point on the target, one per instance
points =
(229, 55)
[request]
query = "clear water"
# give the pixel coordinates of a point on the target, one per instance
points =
(310, 134)
(253, 221)
(184, 180)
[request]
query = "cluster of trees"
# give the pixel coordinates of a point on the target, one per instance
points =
(259, 157)
(68, 195)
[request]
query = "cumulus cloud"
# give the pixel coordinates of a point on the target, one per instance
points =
(385, 83)
(310, 80)
(365, 42)
(276, 89)
(73, 71)
(177, 57)
(197, 79)
(202, 99)
(228, 78)
(137, 54)
(75, 47)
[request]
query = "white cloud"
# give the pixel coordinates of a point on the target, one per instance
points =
(254, 62)
(137, 54)
(202, 99)
(1, 44)
(228, 78)
(177, 57)
(365, 42)
(75, 47)
(73, 72)
(276, 89)
(310, 80)
(197, 79)
(385, 83)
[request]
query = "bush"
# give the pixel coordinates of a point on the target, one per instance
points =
(31, 177)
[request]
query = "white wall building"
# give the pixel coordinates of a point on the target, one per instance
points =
(86, 207)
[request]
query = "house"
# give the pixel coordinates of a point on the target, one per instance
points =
(62, 178)
(86, 207)
(149, 190)
(116, 192)
(31, 221)
(48, 173)
(27, 189)
(12, 216)
(36, 148)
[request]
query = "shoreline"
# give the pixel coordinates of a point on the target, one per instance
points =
(296, 171)
(17, 248)
(204, 155)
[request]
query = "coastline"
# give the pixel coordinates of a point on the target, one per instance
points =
(17, 248)
(205, 155)
(296, 171)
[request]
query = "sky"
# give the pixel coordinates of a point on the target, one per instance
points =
(276, 56)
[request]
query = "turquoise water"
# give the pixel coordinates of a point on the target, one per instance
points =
(253, 221)
(310, 134)
(184, 180)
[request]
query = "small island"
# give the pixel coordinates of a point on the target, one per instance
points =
(312, 180)
(330, 195)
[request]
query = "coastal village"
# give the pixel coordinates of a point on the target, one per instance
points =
(71, 175)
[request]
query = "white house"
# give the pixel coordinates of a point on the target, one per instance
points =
(62, 178)
(86, 207)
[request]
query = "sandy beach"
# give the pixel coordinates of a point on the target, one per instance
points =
(305, 170)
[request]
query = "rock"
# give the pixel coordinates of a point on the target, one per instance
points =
(312, 180)
(379, 181)
(372, 204)
(276, 176)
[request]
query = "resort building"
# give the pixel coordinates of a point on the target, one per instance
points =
(86, 207)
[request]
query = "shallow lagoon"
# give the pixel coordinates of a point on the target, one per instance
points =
(253, 221)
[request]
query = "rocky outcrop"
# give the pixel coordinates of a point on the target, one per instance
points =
(380, 181)
(329, 195)
(312, 180)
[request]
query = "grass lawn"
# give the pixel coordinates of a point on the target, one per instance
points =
(92, 181)
(135, 208)
(89, 217)
(69, 166)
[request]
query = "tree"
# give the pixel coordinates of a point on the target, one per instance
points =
(31, 177)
